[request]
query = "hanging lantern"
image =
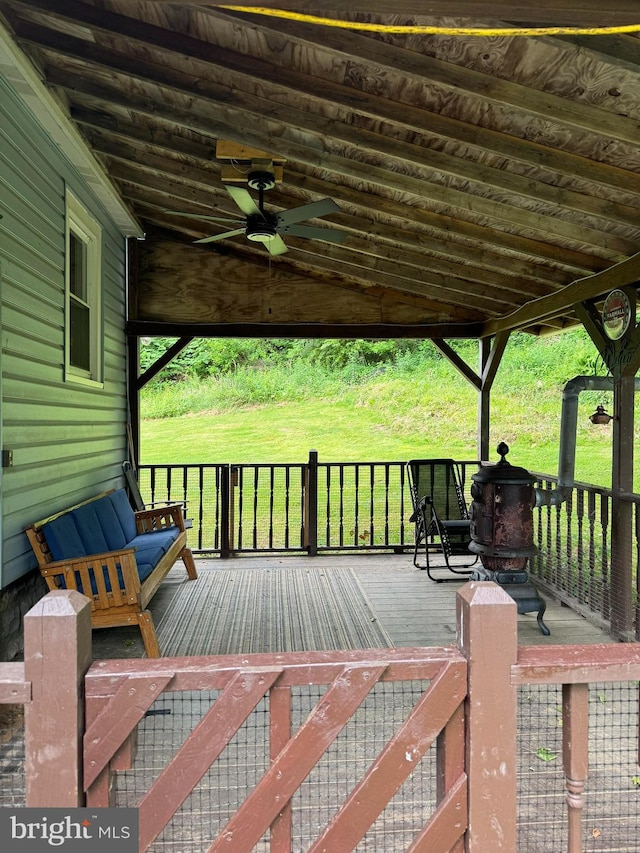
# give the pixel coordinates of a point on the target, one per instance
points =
(600, 416)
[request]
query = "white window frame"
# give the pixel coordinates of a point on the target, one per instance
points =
(84, 228)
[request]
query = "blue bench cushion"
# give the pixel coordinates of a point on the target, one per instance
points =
(150, 547)
(63, 538)
(106, 524)
(126, 517)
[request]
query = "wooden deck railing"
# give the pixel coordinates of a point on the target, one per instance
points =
(82, 719)
(365, 506)
(311, 506)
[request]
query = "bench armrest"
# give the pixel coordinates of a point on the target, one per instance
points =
(159, 517)
(111, 576)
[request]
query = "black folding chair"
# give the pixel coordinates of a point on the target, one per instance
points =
(135, 497)
(440, 515)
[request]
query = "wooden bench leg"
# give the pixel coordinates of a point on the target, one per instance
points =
(148, 631)
(189, 562)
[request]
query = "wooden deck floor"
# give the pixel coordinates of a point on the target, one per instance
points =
(413, 610)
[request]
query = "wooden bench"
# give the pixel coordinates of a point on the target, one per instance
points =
(114, 556)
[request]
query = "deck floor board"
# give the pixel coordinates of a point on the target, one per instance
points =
(412, 609)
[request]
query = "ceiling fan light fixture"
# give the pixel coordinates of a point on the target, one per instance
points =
(261, 232)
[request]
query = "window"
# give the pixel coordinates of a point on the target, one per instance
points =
(83, 357)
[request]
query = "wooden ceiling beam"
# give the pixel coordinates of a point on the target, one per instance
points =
(102, 128)
(416, 252)
(457, 78)
(262, 131)
(342, 331)
(438, 290)
(620, 275)
(560, 12)
(406, 114)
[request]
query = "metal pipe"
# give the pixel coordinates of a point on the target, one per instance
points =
(568, 435)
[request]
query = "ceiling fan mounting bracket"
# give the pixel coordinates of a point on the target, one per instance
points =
(261, 179)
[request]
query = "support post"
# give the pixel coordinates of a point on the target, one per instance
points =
(57, 654)
(575, 756)
(622, 510)
(488, 638)
(133, 393)
(226, 495)
(484, 401)
(311, 505)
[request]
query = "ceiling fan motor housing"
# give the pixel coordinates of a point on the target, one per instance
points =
(261, 229)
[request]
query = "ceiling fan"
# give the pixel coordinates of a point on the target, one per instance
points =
(261, 226)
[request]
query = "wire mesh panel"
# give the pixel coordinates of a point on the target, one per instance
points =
(362, 505)
(267, 507)
(199, 488)
(348, 759)
(246, 758)
(611, 817)
(281, 754)
(573, 539)
(12, 776)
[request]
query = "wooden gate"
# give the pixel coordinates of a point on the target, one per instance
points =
(120, 693)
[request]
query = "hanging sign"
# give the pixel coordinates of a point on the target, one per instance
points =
(616, 314)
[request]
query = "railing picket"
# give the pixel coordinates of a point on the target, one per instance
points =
(592, 555)
(606, 583)
(225, 519)
(312, 504)
(239, 482)
(575, 753)
(386, 504)
(582, 597)
(287, 488)
(568, 546)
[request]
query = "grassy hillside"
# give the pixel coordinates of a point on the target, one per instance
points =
(411, 403)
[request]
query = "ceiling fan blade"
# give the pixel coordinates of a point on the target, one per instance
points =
(201, 216)
(306, 211)
(221, 236)
(243, 199)
(312, 232)
(276, 246)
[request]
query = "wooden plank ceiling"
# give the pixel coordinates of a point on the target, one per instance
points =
(482, 182)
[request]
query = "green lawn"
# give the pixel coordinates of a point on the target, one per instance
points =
(365, 427)
(275, 406)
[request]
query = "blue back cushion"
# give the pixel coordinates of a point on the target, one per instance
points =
(88, 524)
(63, 538)
(124, 513)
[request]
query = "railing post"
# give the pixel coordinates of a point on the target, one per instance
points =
(488, 638)
(226, 496)
(575, 756)
(310, 531)
(57, 654)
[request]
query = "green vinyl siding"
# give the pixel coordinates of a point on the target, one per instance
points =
(68, 440)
